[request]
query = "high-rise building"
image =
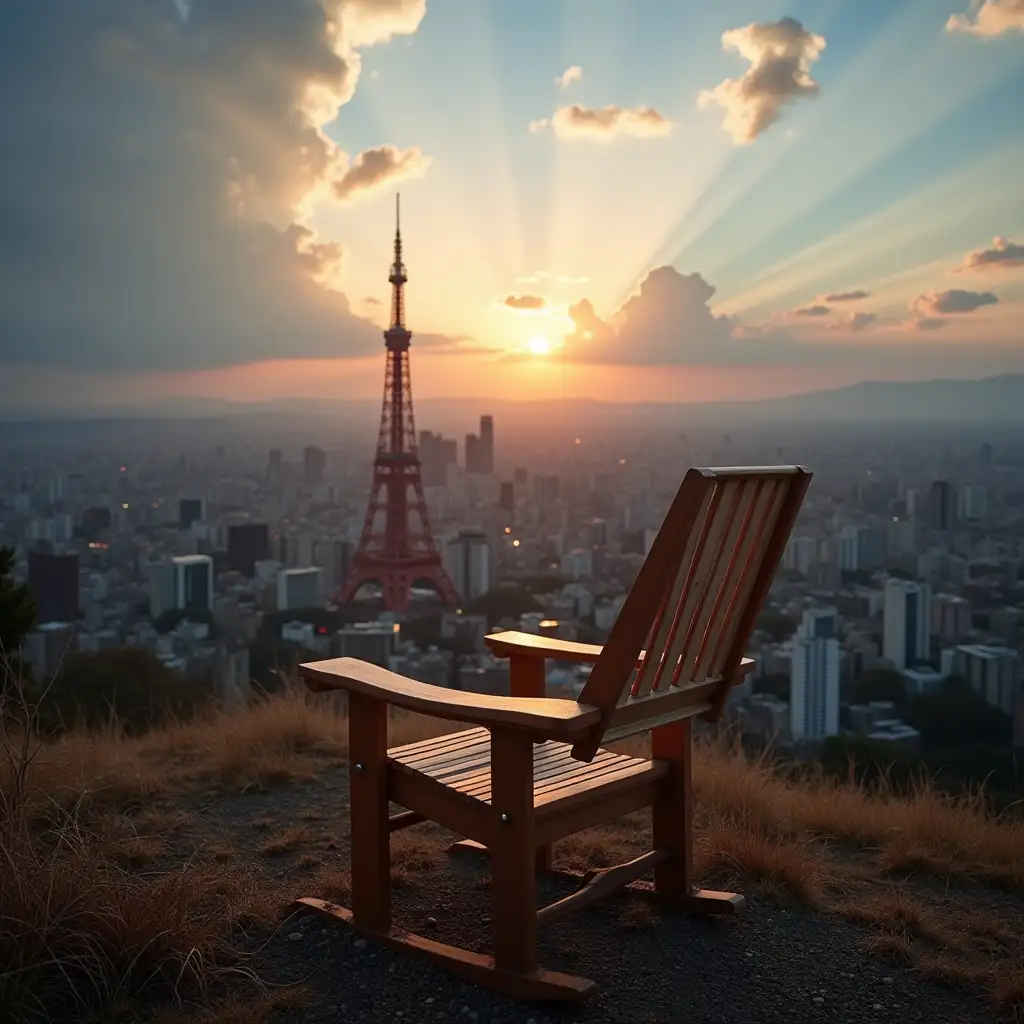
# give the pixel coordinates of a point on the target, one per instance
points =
(53, 583)
(814, 677)
(468, 562)
(375, 642)
(275, 466)
(906, 633)
(314, 462)
(507, 496)
(437, 453)
(193, 582)
(299, 588)
(248, 543)
(480, 448)
(994, 672)
(860, 548)
(520, 477)
(800, 554)
(973, 503)
(951, 616)
(942, 505)
(191, 510)
(94, 521)
(163, 588)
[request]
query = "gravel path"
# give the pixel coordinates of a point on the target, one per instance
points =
(768, 964)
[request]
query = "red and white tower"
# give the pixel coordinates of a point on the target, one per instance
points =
(397, 548)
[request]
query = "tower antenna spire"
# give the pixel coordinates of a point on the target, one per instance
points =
(396, 548)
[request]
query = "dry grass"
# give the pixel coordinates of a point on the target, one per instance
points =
(116, 929)
(286, 842)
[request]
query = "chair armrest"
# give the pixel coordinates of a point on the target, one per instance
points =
(541, 717)
(503, 645)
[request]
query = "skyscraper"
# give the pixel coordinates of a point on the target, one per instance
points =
(193, 582)
(314, 462)
(480, 448)
(248, 543)
(941, 505)
(53, 583)
(191, 510)
(906, 635)
(437, 453)
(814, 677)
(468, 561)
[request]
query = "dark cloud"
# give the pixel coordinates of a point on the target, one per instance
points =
(605, 123)
(1003, 255)
(153, 173)
(845, 296)
(780, 54)
(525, 301)
(812, 311)
(956, 300)
(376, 169)
(371, 301)
(928, 323)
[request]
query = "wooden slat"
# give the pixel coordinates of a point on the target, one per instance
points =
(659, 703)
(720, 591)
(750, 552)
(667, 620)
(729, 496)
(693, 711)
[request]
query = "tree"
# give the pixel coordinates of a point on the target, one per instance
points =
(17, 618)
(130, 684)
(956, 716)
(503, 603)
(880, 684)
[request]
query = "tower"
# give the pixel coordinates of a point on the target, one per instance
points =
(396, 548)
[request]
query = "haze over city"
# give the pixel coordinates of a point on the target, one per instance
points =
(465, 461)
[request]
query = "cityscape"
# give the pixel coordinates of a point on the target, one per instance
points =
(510, 506)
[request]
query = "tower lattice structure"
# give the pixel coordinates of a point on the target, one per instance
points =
(396, 548)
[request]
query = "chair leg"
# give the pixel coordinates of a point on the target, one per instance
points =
(370, 826)
(673, 827)
(513, 870)
(542, 855)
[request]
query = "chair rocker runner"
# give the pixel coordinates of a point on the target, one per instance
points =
(531, 769)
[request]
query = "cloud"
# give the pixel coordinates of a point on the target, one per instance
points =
(812, 311)
(780, 54)
(573, 73)
(667, 321)
(1003, 254)
(178, 241)
(928, 323)
(854, 322)
(376, 169)
(371, 301)
(524, 301)
(956, 300)
(605, 123)
(547, 275)
(844, 296)
(992, 18)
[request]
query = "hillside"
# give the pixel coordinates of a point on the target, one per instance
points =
(165, 892)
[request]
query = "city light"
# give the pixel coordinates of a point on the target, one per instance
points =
(515, 543)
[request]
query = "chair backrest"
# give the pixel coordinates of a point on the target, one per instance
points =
(678, 642)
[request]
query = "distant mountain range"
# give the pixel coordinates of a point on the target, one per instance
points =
(991, 400)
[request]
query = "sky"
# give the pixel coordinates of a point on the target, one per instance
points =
(617, 199)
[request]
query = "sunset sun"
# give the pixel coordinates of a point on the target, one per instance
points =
(539, 346)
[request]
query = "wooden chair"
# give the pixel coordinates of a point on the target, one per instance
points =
(531, 770)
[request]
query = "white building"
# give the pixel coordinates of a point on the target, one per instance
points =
(578, 564)
(814, 677)
(801, 553)
(994, 672)
(468, 563)
(906, 633)
(299, 588)
(973, 503)
(193, 582)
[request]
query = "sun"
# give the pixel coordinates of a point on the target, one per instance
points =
(539, 346)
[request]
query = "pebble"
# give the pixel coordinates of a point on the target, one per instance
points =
(295, 936)
(887, 980)
(431, 922)
(877, 1006)
(818, 1000)
(360, 943)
